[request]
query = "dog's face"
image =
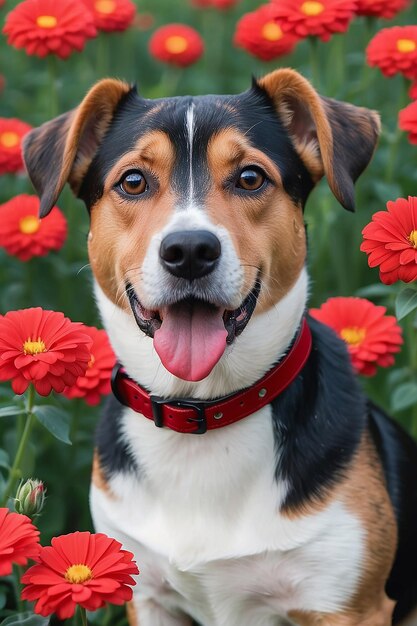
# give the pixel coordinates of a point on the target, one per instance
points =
(197, 204)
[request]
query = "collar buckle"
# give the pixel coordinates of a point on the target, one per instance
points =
(157, 404)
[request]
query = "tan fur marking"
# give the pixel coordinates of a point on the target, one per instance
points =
(132, 616)
(267, 230)
(287, 89)
(96, 109)
(364, 493)
(378, 613)
(97, 477)
(122, 229)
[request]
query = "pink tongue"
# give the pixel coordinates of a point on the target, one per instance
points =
(191, 340)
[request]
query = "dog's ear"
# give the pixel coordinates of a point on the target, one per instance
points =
(61, 150)
(333, 138)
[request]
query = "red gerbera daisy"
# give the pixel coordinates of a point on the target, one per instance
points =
(23, 234)
(42, 347)
(260, 34)
(394, 50)
(390, 241)
(80, 569)
(112, 15)
(407, 120)
(321, 18)
(11, 133)
(19, 540)
(177, 44)
(371, 336)
(96, 381)
(381, 8)
(44, 27)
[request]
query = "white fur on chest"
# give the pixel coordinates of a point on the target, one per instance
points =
(203, 521)
(203, 516)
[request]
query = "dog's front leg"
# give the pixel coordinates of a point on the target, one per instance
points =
(149, 613)
(380, 614)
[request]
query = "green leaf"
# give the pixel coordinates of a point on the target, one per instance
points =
(55, 420)
(25, 619)
(3, 597)
(5, 411)
(374, 291)
(404, 396)
(4, 459)
(406, 302)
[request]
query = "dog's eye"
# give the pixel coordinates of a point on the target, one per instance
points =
(133, 183)
(250, 179)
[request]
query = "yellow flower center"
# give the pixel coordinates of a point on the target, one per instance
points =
(406, 45)
(91, 361)
(105, 6)
(271, 31)
(9, 139)
(34, 347)
(412, 238)
(78, 574)
(29, 224)
(176, 44)
(46, 21)
(312, 8)
(353, 335)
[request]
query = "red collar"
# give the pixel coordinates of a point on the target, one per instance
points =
(186, 415)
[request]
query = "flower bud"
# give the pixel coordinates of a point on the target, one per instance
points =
(30, 497)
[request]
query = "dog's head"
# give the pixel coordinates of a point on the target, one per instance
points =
(197, 203)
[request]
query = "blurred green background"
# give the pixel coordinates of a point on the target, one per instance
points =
(38, 89)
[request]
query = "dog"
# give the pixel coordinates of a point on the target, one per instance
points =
(239, 459)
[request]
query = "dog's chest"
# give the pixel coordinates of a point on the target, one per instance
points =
(203, 519)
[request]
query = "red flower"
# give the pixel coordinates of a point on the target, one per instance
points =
(381, 8)
(260, 34)
(19, 540)
(394, 50)
(407, 120)
(96, 380)
(23, 234)
(11, 133)
(44, 27)
(79, 569)
(371, 336)
(177, 44)
(321, 18)
(112, 15)
(390, 241)
(42, 347)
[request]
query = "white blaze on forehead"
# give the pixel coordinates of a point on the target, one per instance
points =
(189, 122)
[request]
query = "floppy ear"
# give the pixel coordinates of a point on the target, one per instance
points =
(61, 150)
(332, 138)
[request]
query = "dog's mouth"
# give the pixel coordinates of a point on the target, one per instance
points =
(191, 335)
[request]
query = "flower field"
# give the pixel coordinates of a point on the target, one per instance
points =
(55, 358)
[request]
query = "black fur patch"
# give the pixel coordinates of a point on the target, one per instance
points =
(318, 420)
(112, 449)
(252, 113)
(398, 453)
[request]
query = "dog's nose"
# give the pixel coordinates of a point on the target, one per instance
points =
(190, 254)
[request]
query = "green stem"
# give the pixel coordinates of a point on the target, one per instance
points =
(103, 55)
(53, 87)
(18, 573)
(83, 614)
(15, 471)
(395, 143)
(314, 62)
